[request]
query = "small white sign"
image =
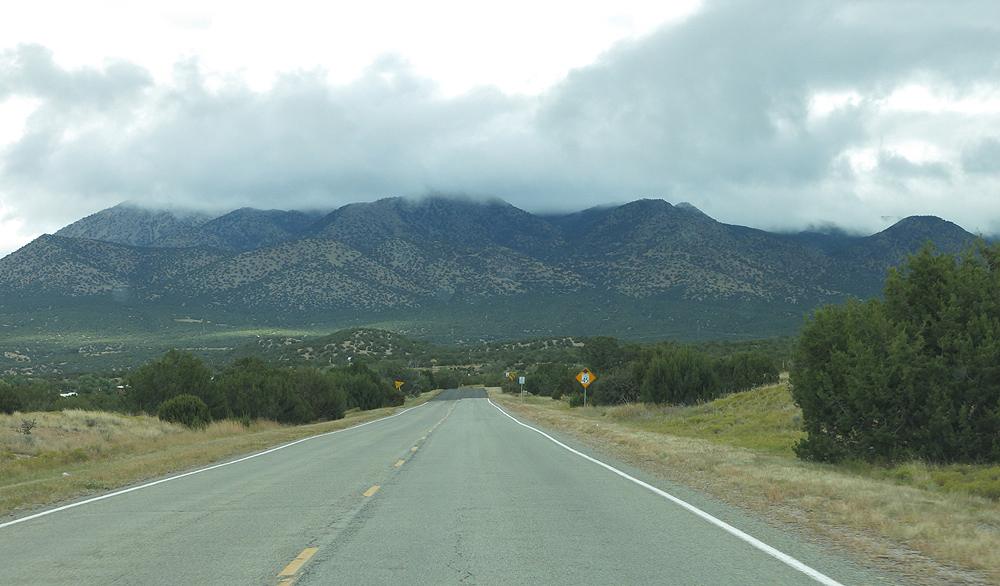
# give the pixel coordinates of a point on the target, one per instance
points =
(521, 380)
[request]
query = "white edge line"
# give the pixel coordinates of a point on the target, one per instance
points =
(199, 470)
(787, 559)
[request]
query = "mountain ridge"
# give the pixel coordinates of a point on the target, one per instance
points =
(617, 269)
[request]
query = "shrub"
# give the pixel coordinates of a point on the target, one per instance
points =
(251, 391)
(26, 426)
(365, 389)
(616, 387)
(915, 376)
(446, 379)
(328, 401)
(80, 402)
(603, 354)
(984, 482)
(176, 373)
(676, 374)
(186, 410)
(397, 370)
(36, 395)
(551, 380)
(745, 370)
(10, 401)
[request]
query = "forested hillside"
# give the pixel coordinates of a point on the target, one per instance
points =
(450, 270)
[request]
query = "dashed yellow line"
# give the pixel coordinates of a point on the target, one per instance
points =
(371, 490)
(415, 448)
(293, 568)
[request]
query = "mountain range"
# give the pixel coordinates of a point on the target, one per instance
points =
(645, 270)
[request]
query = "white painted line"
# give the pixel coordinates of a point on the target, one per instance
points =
(787, 559)
(200, 470)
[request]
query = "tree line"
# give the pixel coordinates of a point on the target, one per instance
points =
(664, 373)
(248, 389)
(179, 387)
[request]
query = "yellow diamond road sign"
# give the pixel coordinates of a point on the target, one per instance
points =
(399, 384)
(585, 377)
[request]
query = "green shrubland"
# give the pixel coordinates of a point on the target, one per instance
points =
(672, 373)
(914, 375)
(185, 409)
(248, 389)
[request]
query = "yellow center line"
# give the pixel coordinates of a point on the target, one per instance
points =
(413, 449)
(400, 463)
(423, 438)
(371, 491)
(297, 563)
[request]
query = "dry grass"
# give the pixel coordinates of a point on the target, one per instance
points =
(930, 536)
(72, 454)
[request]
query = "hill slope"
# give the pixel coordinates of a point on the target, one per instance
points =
(434, 267)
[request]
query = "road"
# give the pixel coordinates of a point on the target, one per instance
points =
(451, 492)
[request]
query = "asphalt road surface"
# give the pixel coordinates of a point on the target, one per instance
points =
(451, 492)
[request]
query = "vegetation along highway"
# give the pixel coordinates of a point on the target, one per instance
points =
(454, 491)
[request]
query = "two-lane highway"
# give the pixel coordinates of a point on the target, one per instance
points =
(451, 492)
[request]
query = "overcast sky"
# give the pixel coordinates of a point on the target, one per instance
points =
(778, 114)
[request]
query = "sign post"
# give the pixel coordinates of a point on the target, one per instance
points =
(521, 380)
(585, 377)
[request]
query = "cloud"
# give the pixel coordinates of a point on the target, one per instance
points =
(983, 156)
(899, 166)
(723, 100)
(775, 114)
(201, 140)
(31, 70)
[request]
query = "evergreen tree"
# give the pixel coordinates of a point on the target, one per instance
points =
(745, 370)
(176, 373)
(671, 373)
(186, 410)
(320, 391)
(365, 389)
(10, 401)
(552, 380)
(914, 376)
(254, 391)
(397, 370)
(615, 387)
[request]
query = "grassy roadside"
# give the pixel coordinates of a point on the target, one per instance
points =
(738, 449)
(73, 454)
